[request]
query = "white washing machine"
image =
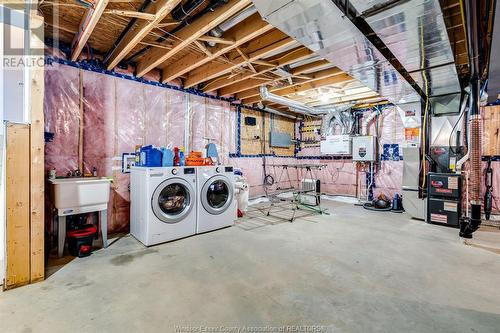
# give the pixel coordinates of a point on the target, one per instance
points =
(216, 198)
(163, 203)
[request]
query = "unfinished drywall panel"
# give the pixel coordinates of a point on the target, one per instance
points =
(18, 205)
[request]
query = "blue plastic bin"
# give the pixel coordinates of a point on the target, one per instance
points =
(150, 156)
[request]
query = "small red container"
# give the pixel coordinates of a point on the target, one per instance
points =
(80, 241)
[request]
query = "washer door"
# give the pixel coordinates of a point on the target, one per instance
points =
(217, 195)
(172, 200)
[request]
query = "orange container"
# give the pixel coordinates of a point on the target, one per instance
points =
(197, 154)
(195, 161)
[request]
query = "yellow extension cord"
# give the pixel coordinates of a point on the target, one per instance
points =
(424, 125)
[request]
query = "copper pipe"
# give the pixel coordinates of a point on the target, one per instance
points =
(475, 159)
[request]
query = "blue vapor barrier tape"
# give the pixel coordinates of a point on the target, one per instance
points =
(98, 67)
(495, 158)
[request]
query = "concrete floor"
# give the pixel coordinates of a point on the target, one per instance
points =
(352, 271)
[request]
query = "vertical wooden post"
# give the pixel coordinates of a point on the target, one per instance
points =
(37, 179)
(17, 192)
(81, 121)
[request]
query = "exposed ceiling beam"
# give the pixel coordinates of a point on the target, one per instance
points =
(167, 23)
(160, 9)
(246, 93)
(313, 95)
(131, 13)
(249, 29)
(203, 48)
(87, 25)
(346, 99)
(258, 48)
(292, 56)
(341, 78)
(217, 40)
(243, 85)
(310, 67)
(189, 34)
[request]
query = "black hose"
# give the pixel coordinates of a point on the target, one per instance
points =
(370, 206)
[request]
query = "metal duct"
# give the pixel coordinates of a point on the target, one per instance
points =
(322, 27)
(294, 105)
(182, 11)
(415, 32)
(338, 115)
(276, 112)
(231, 22)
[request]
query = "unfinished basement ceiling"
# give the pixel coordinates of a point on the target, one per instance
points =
(235, 60)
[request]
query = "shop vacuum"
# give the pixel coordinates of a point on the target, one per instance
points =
(80, 240)
(80, 236)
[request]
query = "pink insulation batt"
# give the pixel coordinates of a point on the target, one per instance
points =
(119, 114)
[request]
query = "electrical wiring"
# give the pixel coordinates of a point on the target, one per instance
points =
(424, 125)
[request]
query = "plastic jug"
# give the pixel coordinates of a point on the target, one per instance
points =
(167, 158)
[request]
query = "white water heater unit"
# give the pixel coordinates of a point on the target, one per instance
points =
(364, 148)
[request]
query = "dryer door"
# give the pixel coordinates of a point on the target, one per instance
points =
(172, 200)
(217, 194)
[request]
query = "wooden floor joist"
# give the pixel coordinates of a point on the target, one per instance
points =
(189, 34)
(250, 28)
(246, 93)
(289, 57)
(341, 78)
(87, 25)
(160, 9)
(312, 66)
(255, 50)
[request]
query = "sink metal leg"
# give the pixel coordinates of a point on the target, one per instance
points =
(61, 237)
(103, 214)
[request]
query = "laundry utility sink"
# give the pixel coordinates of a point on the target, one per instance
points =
(80, 195)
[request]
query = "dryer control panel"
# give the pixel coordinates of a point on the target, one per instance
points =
(189, 171)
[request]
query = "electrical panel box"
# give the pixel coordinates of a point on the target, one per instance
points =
(364, 148)
(336, 145)
(280, 139)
